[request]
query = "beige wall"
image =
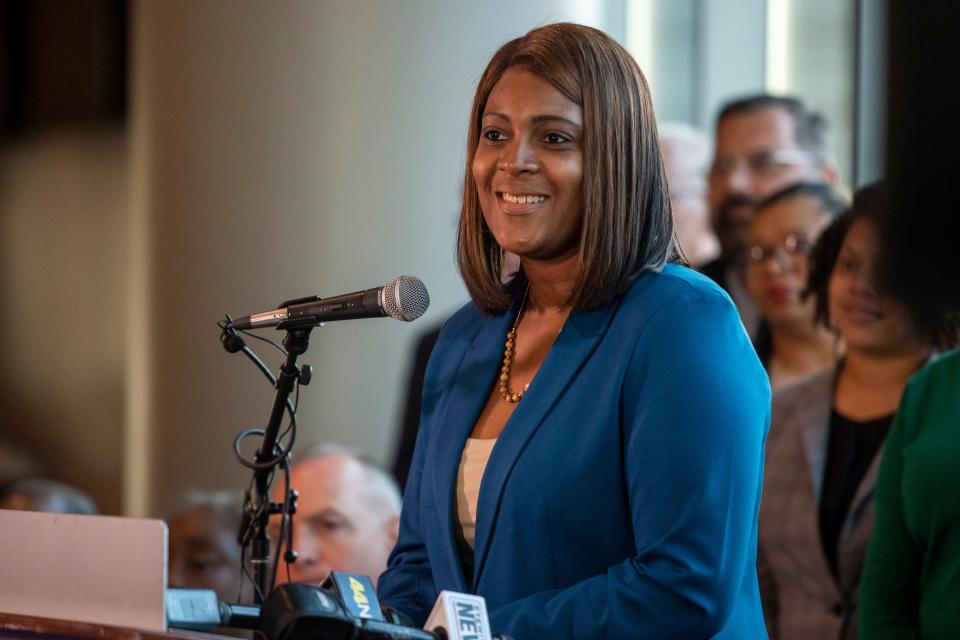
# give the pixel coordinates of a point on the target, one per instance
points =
(63, 264)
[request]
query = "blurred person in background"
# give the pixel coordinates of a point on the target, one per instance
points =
(686, 155)
(827, 433)
(910, 580)
(763, 143)
(15, 464)
(782, 232)
(203, 548)
(347, 515)
(43, 494)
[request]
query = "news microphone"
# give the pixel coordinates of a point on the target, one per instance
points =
(455, 616)
(403, 298)
(359, 599)
(459, 616)
(356, 593)
(199, 610)
(301, 611)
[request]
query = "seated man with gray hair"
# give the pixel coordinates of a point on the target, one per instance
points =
(43, 494)
(347, 518)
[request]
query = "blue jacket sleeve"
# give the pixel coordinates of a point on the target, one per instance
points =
(695, 413)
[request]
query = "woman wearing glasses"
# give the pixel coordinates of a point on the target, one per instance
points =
(781, 234)
(827, 433)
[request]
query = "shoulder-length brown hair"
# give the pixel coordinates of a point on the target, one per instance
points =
(627, 222)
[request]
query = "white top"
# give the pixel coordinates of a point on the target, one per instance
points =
(473, 462)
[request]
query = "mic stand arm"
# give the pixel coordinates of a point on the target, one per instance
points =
(269, 455)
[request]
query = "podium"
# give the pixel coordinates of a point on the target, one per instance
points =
(72, 577)
(98, 570)
(16, 627)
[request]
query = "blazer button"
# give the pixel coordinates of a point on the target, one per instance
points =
(837, 609)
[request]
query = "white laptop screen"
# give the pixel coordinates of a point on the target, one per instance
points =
(99, 569)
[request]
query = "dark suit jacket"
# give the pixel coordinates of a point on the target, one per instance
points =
(757, 327)
(621, 499)
(800, 595)
(410, 421)
(716, 270)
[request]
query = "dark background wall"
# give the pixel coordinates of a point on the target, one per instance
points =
(923, 150)
(63, 222)
(62, 62)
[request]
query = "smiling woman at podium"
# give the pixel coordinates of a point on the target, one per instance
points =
(591, 439)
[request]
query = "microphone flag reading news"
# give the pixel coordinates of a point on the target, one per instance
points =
(403, 298)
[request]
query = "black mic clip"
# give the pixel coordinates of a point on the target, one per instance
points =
(305, 322)
(305, 299)
(306, 374)
(229, 338)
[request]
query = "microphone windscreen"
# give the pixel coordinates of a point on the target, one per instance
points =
(405, 298)
(297, 610)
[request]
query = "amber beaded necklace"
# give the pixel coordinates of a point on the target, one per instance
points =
(508, 352)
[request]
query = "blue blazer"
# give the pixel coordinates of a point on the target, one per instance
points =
(621, 499)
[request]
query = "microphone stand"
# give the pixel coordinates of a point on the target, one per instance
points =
(269, 456)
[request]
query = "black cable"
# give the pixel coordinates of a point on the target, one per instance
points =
(281, 538)
(247, 351)
(273, 344)
(233, 343)
(291, 411)
(246, 574)
(279, 448)
(290, 427)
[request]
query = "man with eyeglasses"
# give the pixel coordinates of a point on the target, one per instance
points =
(763, 144)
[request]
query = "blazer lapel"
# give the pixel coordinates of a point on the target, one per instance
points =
(864, 490)
(815, 410)
(468, 393)
(857, 526)
(580, 336)
(815, 452)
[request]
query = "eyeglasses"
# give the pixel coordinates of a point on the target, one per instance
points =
(767, 162)
(793, 246)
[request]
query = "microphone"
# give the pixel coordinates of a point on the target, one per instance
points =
(403, 298)
(356, 593)
(459, 616)
(199, 610)
(301, 611)
(296, 611)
